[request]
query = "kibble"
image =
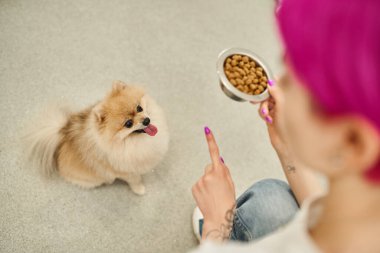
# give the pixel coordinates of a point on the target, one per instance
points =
(245, 74)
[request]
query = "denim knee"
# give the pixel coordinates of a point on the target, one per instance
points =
(264, 207)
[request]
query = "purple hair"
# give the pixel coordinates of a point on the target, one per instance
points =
(334, 48)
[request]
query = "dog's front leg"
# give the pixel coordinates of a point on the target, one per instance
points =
(135, 182)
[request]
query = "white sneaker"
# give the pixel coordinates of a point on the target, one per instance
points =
(198, 223)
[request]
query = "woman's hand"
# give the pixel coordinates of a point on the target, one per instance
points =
(215, 195)
(271, 111)
(302, 181)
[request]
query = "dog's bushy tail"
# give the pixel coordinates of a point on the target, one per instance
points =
(44, 137)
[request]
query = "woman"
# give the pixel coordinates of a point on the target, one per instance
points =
(322, 114)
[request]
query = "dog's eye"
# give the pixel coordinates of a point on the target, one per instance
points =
(129, 123)
(139, 109)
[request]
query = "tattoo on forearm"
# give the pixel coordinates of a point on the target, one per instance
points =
(291, 168)
(223, 232)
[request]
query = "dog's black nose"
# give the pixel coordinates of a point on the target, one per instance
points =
(146, 121)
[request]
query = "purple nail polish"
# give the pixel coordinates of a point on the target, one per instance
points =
(207, 130)
(221, 159)
(271, 83)
(263, 111)
(269, 120)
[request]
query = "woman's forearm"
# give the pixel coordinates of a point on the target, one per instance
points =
(303, 181)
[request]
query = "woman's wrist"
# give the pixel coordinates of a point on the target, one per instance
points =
(284, 155)
(216, 231)
(219, 229)
(288, 161)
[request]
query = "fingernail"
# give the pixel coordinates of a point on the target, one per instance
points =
(221, 159)
(207, 130)
(271, 83)
(264, 111)
(268, 119)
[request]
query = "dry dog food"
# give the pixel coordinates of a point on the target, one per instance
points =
(245, 74)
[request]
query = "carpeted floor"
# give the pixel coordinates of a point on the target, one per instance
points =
(72, 51)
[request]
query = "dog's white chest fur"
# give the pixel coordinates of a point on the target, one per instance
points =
(140, 154)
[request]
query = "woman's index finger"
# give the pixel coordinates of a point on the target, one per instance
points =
(212, 147)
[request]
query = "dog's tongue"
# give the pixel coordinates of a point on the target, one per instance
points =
(151, 130)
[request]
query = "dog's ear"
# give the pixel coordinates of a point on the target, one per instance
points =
(99, 113)
(117, 87)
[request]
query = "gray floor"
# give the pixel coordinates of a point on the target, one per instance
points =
(56, 50)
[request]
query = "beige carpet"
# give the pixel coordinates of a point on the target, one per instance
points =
(72, 50)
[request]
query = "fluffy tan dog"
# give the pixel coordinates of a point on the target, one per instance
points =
(123, 136)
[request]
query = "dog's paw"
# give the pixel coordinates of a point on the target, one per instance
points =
(139, 189)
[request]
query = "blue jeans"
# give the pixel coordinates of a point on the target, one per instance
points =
(263, 208)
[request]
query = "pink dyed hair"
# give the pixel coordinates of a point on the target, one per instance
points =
(334, 48)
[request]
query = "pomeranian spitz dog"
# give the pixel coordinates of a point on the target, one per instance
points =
(123, 136)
